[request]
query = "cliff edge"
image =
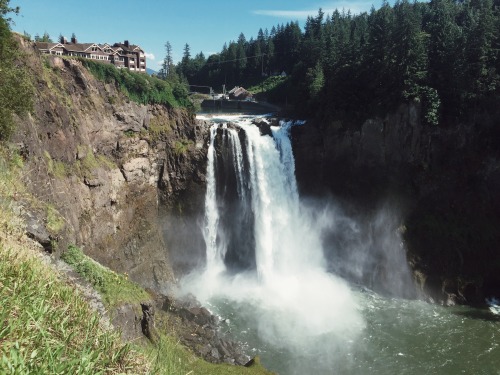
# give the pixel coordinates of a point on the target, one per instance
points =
(107, 169)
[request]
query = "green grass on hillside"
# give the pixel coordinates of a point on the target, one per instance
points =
(276, 90)
(114, 288)
(48, 328)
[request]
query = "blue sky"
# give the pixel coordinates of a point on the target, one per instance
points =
(205, 25)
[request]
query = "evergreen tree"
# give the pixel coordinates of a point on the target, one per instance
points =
(168, 69)
(241, 56)
(446, 65)
(16, 89)
(481, 77)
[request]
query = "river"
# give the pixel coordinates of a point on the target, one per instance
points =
(268, 277)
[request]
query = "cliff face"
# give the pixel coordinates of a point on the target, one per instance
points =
(444, 180)
(105, 171)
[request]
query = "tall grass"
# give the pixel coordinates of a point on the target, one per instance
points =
(114, 288)
(48, 328)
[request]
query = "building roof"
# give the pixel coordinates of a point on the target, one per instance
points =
(130, 48)
(117, 48)
(239, 92)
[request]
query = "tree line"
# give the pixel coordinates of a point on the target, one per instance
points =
(444, 54)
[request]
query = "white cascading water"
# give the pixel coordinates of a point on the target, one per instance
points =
(214, 254)
(295, 298)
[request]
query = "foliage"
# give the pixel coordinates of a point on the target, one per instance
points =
(48, 328)
(16, 90)
(444, 54)
(11, 188)
(159, 126)
(182, 146)
(267, 84)
(44, 38)
(55, 222)
(114, 288)
(140, 88)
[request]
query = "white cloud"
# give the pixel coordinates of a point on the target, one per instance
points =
(149, 56)
(354, 6)
(291, 14)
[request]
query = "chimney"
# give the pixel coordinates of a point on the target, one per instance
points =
(63, 40)
(127, 44)
(73, 40)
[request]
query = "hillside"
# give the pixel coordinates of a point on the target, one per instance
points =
(90, 175)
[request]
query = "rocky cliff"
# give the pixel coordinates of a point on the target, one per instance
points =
(106, 172)
(444, 180)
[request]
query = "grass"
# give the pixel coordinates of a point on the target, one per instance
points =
(91, 162)
(140, 87)
(48, 328)
(159, 126)
(182, 146)
(83, 168)
(56, 84)
(11, 188)
(55, 222)
(114, 288)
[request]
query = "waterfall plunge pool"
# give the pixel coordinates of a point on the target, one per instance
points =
(267, 277)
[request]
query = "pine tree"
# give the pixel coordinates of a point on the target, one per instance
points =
(167, 71)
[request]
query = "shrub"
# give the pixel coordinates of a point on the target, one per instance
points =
(140, 87)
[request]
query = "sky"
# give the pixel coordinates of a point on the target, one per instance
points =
(204, 25)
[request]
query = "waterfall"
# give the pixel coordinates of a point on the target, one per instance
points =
(262, 246)
(264, 252)
(214, 253)
(267, 189)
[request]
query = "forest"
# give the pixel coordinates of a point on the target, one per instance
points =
(444, 54)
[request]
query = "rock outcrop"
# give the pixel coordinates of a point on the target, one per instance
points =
(444, 179)
(108, 171)
(198, 329)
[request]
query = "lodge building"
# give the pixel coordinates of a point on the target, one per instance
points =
(122, 55)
